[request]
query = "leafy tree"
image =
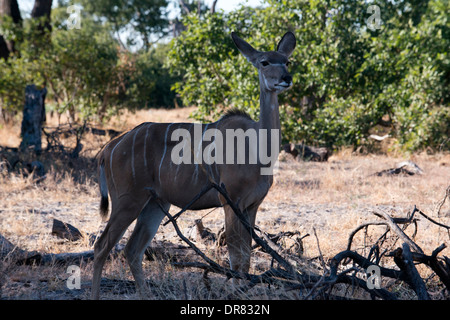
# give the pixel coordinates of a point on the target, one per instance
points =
(148, 81)
(9, 13)
(16, 71)
(23, 65)
(411, 59)
(82, 70)
(86, 72)
(145, 17)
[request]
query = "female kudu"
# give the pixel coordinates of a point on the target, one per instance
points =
(143, 159)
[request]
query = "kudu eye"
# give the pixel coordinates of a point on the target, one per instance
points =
(264, 63)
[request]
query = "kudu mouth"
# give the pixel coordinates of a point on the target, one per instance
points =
(284, 84)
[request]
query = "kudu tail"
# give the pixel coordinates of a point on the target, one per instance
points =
(104, 202)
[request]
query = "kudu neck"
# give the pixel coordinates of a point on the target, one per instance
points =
(269, 119)
(269, 114)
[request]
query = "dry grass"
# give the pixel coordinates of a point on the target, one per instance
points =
(333, 197)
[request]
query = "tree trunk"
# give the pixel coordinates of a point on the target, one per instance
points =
(9, 8)
(4, 51)
(33, 117)
(42, 8)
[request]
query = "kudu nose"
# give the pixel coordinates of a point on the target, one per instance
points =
(287, 78)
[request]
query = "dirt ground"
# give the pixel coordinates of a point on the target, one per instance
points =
(323, 201)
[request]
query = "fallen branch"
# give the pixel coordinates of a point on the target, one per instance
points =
(396, 229)
(404, 260)
(363, 263)
(308, 153)
(403, 257)
(440, 267)
(37, 258)
(406, 167)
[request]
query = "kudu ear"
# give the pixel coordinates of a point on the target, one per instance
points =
(287, 44)
(247, 50)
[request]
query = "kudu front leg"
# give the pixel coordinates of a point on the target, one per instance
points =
(238, 239)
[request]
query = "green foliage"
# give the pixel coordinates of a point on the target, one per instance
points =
(346, 77)
(203, 57)
(12, 85)
(22, 69)
(149, 81)
(146, 17)
(78, 66)
(82, 69)
(86, 72)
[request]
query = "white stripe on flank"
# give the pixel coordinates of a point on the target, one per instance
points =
(111, 157)
(145, 144)
(200, 149)
(132, 154)
(184, 145)
(199, 152)
(215, 164)
(164, 153)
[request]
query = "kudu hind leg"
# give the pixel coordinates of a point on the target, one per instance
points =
(122, 216)
(146, 227)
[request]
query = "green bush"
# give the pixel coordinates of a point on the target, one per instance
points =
(86, 72)
(149, 81)
(20, 69)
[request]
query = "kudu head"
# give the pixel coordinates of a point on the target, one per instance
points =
(271, 65)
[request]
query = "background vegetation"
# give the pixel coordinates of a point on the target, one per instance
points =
(349, 81)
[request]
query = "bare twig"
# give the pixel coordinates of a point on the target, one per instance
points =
(433, 221)
(395, 228)
(322, 261)
(362, 226)
(441, 268)
(437, 209)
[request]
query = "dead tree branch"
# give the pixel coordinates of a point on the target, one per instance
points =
(404, 260)
(439, 205)
(396, 229)
(403, 257)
